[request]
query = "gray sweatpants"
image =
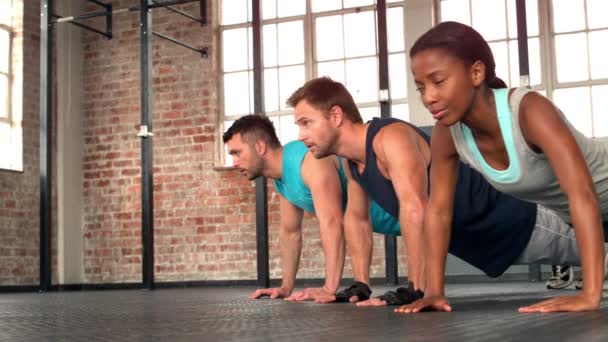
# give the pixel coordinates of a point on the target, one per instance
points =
(552, 242)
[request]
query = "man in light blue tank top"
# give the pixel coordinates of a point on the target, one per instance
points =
(305, 184)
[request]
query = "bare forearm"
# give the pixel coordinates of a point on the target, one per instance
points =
(291, 247)
(360, 243)
(332, 239)
(437, 239)
(590, 240)
(412, 222)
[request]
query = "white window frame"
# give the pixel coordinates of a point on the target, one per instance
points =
(548, 57)
(310, 64)
(13, 154)
(554, 84)
(8, 74)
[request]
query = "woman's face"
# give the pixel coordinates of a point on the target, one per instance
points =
(445, 83)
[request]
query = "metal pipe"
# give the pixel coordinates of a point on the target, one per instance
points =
(75, 23)
(390, 242)
(46, 147)
(522, 43)
(98, 3)
(147, 195)
(170, 3)
(185, 14)
(203, 11)
(261, 188)
(202, 51)
(120, 10)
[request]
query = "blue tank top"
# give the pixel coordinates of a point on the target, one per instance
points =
(292, 187)
(489, 229)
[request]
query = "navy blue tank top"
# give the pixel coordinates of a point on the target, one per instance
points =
(489, 229)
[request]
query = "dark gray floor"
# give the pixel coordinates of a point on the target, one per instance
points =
(482, 312)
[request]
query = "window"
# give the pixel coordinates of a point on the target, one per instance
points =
(497, 22)
(571, 45)
(303, 39)
(580, 32)
(10, 119)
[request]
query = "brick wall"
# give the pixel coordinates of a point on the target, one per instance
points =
(204, 218)
(19, 191)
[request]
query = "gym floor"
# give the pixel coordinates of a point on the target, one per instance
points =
(482, 312)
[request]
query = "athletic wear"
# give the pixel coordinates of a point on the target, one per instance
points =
(292, 187)
(530, 176)
(489, 229)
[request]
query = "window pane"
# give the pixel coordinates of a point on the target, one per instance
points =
(289, 130)
(329, 38)
(456, 10)
(360, 34)
(367, 113)
(355, 3)
(501, 58)
(4, 48)
(398, 75)
(568, 15)
(227, 157)
(5, 142)
(325, 5)
(599, 95)
(576, 105)
(490, 18)
(596, 13)
(598, 54)
(235, 49)
(291, 41)
(234, 11)
(270, 45)
(269, 9)
(290, 79)
(401, 111)
(335, 70)
(534, 62)
(288, 8)
(271, 90)
(395, 29)
(571, 56)
(362, 79)
(237, 92)
(5, 12)
(531, 18)
(4, 86)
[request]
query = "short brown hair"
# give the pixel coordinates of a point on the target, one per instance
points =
(323, 93)
(253, 126)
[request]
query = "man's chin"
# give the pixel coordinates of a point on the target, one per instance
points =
(320, 154)
(254, 177)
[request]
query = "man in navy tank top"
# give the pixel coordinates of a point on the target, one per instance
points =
(304, 184)
(388, 160)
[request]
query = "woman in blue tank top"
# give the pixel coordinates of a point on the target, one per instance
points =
(519, 141)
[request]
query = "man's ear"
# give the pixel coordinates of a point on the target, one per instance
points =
(336, 116)
(478, 73)
(260, 147)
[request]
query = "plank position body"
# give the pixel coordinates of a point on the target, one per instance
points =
(521, 143)
(304, 184)
(388, 161)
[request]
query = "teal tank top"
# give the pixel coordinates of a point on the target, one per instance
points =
(292, 187)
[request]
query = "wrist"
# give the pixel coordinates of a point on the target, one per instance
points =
(330, 288)
(593, 295)
(287, 288)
